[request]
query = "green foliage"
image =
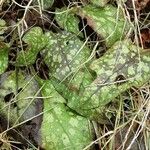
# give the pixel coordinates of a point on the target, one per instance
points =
(109, 22)
(64, 54)
(3, 57)
(67, 20)
(44, 4)
(61, 128)
(2, 26)
(36, 41)
(122, 59)
(101, 3)
(4, 48)
(80, 87)
(25, 99)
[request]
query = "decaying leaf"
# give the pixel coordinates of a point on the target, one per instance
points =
(109, 22)
(19, 102)
(144, 38)
(123, 132)
(61, 128)
(139, 4)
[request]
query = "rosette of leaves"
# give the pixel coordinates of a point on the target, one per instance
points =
(123, 60)
(108, 22)
(67, 20)
(61, 127)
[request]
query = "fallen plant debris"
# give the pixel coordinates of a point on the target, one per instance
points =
(55, 94)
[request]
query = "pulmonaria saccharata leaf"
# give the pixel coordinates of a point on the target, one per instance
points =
(108, 22)
(100, 3)
(44, 4)
(36, 41)
(62, 52)
(122, 59)
(3, 56)
(61, 128)
(65, 54)
(69, 22)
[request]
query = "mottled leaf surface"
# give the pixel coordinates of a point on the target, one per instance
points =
(65, 54)
(80, 80)
(122, 59)
(69, 22)
(36, 41)
(109, 22)
(101, 3)
(2, 26)
(3, 57)
(61, 128)
(44, 4)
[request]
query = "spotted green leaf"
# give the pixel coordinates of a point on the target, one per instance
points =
(120, 60)
(44, 4)
(79, 80)
(71, 88)
(101, 3)
(108, 22)
(36, 41)
(69, 22)
(2, 26)
(3, 57)
(65, 54)
(61, 128)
